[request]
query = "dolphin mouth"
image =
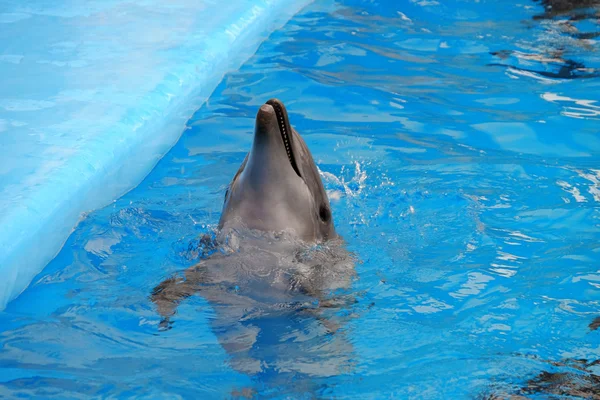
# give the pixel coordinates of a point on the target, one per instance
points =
(285, 129)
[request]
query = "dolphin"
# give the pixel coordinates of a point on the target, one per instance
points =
(278, 186)
(277, 267)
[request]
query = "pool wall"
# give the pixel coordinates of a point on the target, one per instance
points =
(92, 95)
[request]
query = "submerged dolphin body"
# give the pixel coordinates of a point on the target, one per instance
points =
(281, 273)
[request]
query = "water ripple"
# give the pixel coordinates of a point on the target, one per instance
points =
(458, 144)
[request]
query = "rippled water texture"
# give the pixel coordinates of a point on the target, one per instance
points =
(459, 144)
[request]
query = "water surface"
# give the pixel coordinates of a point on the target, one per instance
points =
(458, 142)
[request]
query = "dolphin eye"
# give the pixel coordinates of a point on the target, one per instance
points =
(324, 213)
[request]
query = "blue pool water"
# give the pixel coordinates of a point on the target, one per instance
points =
(458, 142)
(93, 94)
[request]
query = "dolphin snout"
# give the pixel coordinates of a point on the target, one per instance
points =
(266, 113)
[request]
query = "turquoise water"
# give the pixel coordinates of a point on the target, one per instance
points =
(459, 145)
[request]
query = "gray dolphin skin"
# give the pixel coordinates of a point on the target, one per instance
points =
(278, 274)
(278, 186)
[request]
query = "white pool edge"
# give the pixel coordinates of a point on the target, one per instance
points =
(35, 232)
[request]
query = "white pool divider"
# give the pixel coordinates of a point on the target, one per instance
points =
(92, 94)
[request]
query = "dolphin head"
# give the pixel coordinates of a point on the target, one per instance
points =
(278, 186)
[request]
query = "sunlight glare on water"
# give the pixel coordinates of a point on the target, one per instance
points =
(458, 142)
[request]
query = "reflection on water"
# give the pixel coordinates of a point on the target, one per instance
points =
(566, 28)
(573, 9)
(469, 194)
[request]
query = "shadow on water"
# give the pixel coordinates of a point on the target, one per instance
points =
(579, 378)
(574, 10)
(566, 25)
(571, 378)
(279, 307)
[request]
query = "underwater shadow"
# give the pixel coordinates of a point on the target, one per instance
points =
(552, 60)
